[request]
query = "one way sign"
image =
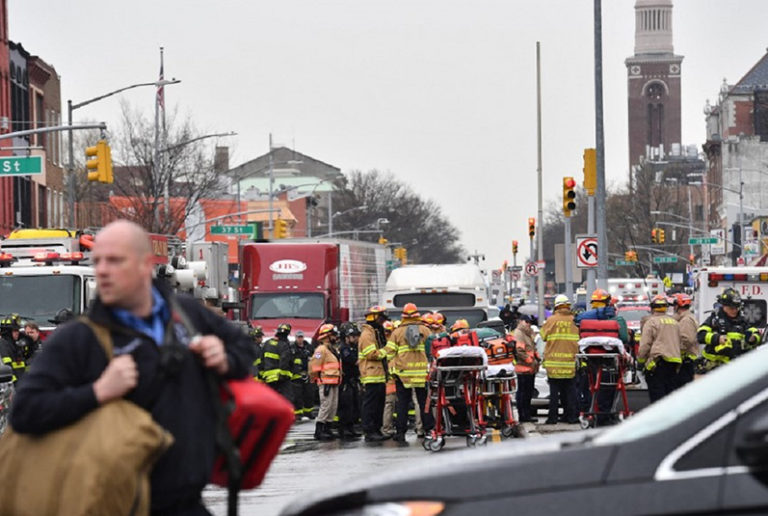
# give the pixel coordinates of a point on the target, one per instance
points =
(586, 251)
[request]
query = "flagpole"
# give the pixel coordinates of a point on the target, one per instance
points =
(156, 154)
(166, 180)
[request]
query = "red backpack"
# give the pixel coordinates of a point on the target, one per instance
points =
(598, 328)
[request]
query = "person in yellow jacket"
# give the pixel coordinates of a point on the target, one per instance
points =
(409, 367)
(659, 352)
(325, 371)
(390, 399)
(372, 361)
(689, 346)
(561, 336)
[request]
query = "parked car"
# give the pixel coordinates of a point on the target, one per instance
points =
(702, 449)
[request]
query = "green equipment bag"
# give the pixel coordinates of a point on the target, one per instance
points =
(97, 465)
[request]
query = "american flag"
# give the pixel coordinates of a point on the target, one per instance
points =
(161, 89)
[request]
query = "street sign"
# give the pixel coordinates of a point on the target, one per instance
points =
(586, 251)
(232, 230)
(665, 259)
(515, 276)
(517, 268)
(21, 166)
(625, 263)
(702, 240)
(531, 269)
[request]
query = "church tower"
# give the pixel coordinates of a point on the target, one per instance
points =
(653, 81)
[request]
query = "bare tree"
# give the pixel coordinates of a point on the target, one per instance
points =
(416, 223)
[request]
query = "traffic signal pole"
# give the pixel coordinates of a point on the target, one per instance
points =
(602, 240)
(540, 242)
(568, 261)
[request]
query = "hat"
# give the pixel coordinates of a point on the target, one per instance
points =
(299, 333)
(527, 318)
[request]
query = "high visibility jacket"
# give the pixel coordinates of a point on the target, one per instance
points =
(660, 341)
(258, 353)
(276, 361)
(562, 343)
(740, 337)
(300, 361)
(409, 363)
(13, 357)
(372, 355)
(325, 365)
(689, 346)
(526, 357)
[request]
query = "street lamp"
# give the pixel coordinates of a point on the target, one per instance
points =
(339, 213)
(71, 107)
(270, 168)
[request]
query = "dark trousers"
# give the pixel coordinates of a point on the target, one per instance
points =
(524, 395)
(662, 380)
(404, 400)
(349, 404)
(562, 391)
(687, 370)
(285, 388)
(303, 397)
(373, 406)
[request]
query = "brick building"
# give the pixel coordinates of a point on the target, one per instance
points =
(653, 83)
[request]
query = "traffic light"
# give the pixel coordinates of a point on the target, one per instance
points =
(590, 171)
(630, 256)
(569, 196)
(281, 228)
(531, 226)
(401, 254)
(383, 241)
(514, 246)
(99, 162)
(654, 236)
(661, 236)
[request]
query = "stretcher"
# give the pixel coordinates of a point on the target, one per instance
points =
(605, 362)
(455, 384)
(496, 399)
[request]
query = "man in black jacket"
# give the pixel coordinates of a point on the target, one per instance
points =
(157, 364)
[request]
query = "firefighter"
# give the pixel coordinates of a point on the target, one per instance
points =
(325, 371)
(62, 316)
(349, 392)
(689, 346)
(526, 366)
(303, 393)
(390, 398)
(561, 336)
(372, 363)
(31, 341)
(276, 362)
(257, 336)
(12, 346)
(439, 326)
(725, 333)
(659, 352)
(409, 367)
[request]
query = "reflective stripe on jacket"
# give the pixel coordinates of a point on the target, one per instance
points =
(370, 354)
(737, 332)
(562, 343)
(689, 346)
(325, 366)
(408, 363)
(276, 361)
(660, 341)
(525, 352)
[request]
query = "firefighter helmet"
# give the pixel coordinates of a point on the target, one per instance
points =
(428, 318)
(730, 297)
(562, 300)
(256, 331)
(374, 312)
(410, 311)
(326, 331)
(460, 324)
(659, 303)
(439, 318)
(283, 329)
(388, 326)
(682, 300)
(600, 296)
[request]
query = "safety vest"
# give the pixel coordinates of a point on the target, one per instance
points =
(562, 343)
(371, 357)
(276, 361)
(409, 363)
(325, 366)
(736, 331)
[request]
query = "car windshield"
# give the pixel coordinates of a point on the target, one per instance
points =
(633, 315)
(39, 297)
(694, 397)
(287, 306)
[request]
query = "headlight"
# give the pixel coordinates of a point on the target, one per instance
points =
(415, 508)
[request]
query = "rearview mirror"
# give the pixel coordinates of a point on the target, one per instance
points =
(752, 448)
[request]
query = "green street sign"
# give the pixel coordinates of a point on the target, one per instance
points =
(665, 259)
(702, 240)
(22, 166)
(247, 229)
(625, 263)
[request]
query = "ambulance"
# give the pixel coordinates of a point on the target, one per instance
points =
(750, 282)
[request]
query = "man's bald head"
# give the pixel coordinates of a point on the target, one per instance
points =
(129, 232)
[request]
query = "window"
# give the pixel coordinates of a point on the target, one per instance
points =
(742, 426)
(698, 212)
(435, 300)
(761, 114)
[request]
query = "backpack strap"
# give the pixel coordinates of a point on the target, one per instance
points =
(102, 335)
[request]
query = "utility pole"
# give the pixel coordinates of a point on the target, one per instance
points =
(540, 243)
(476, 257)
(602, 240)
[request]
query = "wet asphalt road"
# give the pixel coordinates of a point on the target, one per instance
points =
(307, 466)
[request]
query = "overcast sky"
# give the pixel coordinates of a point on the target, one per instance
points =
(440, 92)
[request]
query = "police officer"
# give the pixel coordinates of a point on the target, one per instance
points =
(725, 333)
(276, 362)
(303, 393)
(325, 371)
(689, 346)
(372, 363)
(349, 392)
(659, 352)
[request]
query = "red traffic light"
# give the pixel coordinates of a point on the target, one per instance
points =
(569, 182)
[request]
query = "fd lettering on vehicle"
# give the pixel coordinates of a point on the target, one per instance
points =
(751, 290)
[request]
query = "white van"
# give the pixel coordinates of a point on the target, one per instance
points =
(634, 290)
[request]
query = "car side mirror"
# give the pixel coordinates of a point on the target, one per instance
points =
(752, 448)
(6, 373)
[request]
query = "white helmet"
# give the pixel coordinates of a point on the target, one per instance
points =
(561, 300)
